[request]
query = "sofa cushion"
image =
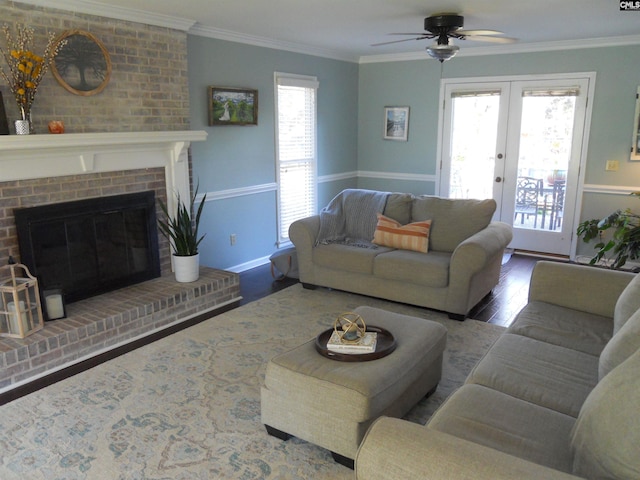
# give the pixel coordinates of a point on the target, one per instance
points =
(413, 236)
(431, 270)
(563, 326)
(547, 375)
(398, 207)
(628, 303)
(453, 220)
(606, 437)
(346, 257)
(497, 420)
(624, 343)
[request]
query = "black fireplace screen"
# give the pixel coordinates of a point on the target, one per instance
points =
(92, 246)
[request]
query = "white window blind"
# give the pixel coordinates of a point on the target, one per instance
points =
(552, 92)
(295, 149)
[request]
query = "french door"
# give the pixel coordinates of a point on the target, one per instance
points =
(520, 142)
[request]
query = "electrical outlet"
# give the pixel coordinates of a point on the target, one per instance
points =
(612, 166)
(232, 239)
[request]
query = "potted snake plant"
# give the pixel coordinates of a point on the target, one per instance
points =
(182, 232)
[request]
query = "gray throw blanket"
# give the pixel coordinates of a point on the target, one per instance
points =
(350, 218)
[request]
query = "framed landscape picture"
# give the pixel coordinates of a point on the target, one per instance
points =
(396, 123)
(232, 106)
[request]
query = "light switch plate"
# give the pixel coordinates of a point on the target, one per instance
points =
(612, 166)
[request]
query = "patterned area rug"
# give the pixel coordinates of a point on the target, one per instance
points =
(188, 406)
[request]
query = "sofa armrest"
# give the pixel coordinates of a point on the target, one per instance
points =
(395, 449)
(473, 254)
(303, 234)
(579, 287)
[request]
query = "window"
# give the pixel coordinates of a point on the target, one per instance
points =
(296, 164)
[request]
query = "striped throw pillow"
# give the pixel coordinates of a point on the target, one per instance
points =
(413, 236)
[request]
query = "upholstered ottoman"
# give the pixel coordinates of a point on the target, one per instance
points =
(332, 403)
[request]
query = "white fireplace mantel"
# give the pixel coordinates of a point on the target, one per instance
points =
(25, 157)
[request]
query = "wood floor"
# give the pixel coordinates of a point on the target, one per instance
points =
(499, 307)
(510, 295)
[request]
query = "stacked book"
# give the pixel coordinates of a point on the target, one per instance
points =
(367, 344)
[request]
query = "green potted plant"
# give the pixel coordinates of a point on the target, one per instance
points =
(182, 232)
(625, 239)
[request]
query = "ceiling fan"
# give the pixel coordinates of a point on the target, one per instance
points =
(445, 26)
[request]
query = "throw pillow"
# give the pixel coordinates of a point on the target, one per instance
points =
(622, 345)
(627, 304)
(413, 236)
(606, 436)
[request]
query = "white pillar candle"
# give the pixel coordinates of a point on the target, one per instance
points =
(55, 309)
(14, 327)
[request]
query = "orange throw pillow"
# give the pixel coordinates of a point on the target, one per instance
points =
(413, 236)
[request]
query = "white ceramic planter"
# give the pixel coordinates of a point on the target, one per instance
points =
(186, 269)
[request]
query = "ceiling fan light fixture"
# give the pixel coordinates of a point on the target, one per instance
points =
(442, 52)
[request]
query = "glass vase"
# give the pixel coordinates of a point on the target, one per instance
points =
(23, 127)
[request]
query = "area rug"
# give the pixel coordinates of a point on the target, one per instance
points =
(188, 406)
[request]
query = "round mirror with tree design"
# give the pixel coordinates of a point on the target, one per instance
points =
(82, 65)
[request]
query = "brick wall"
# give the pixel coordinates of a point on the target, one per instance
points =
(148, 90)
(28, 193)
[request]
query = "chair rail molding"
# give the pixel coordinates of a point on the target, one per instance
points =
(609, 189)
(411, 177)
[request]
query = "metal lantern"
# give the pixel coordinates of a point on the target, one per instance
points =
(20, 310)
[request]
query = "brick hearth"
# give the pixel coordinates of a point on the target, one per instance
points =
(103, 322)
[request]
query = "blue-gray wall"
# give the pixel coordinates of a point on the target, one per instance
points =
(416, 84)
(236, 164)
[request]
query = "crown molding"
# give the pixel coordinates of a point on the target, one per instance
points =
(119, 13)
(513, 48)
(221, 34)
(91, 7)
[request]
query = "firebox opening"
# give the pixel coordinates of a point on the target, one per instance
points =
(88, 247)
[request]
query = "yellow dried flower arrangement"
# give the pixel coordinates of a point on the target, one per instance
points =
(26, 69)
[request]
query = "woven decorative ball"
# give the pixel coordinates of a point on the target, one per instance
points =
(350, 327)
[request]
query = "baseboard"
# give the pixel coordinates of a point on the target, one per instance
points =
(543, 255)
(258, 262)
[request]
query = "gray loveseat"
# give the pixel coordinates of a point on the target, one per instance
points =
(557, 396)
(462, 265)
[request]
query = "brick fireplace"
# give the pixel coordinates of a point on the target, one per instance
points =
(44, 169)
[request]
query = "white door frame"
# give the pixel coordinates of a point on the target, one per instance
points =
(591, 76)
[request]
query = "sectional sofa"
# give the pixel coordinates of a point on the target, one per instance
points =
(422, 250)
(556, 397)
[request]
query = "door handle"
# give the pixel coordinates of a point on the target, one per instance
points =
(499, 155)
(498, 179)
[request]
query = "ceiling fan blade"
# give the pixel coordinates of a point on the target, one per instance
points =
(421, 34)
(478, 32)
(480, 38)
(398, 41)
